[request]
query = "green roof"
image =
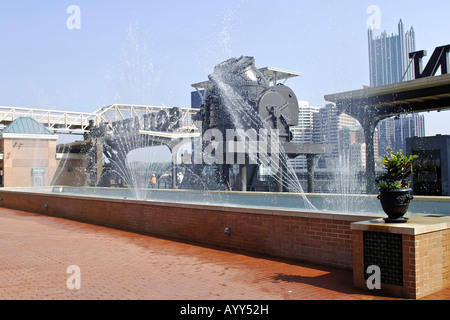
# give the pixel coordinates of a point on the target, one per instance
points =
(26, 125)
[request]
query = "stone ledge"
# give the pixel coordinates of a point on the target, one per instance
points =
(300, 213)
(417, 224)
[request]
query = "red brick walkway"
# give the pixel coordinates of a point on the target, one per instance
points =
(35, 252)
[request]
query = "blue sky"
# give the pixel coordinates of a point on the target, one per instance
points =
(150, 52)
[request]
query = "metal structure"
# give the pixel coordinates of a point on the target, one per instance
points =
(55, 120)
(373, 104)
(79, 123)
(240, 97)
(154, 118)
(273, 75)
(236, 86)
(124, 128)
(113, 131)
(437, 60)
(431, 174)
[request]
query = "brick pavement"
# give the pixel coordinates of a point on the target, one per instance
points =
(35, 252)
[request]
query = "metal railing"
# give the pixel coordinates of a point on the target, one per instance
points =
(56, 120)
(69, 122)
(120, 112)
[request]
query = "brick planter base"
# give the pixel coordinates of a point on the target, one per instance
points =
(414, 258)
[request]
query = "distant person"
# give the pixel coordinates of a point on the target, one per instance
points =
(180, 177)
(153, 181)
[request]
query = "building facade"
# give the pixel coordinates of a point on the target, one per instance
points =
(303, 132)
(352, 146)
(393, 132)
(27, 154)
(389, 56)
(389, 63)
(328, 122)
(320, 126)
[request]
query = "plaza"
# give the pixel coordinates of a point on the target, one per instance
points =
(119, 265)
(114, 187)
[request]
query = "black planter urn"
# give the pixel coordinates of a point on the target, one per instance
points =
(395, 203)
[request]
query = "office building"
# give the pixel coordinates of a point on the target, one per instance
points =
(352, 146)
(321, 126)
(389, 56)
(389, 63)
(393, 132)
(328, 122)
(304, 131)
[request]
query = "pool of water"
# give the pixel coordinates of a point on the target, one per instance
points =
(333, 203)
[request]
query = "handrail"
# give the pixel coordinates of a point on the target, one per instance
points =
(78, 122)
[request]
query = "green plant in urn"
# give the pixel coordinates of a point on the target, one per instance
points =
(395, 192)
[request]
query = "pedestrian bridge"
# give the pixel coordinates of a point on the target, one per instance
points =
(79, 123)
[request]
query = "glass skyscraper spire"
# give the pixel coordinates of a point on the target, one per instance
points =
(389, 63)
(389, 56)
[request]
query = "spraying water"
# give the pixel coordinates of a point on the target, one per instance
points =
(242, 115)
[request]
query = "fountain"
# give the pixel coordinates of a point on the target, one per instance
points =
(236, 154)
(243, 128)
(248, 121)
(240, 134)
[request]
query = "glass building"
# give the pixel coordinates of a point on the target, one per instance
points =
(389, 63)
(389, 56)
